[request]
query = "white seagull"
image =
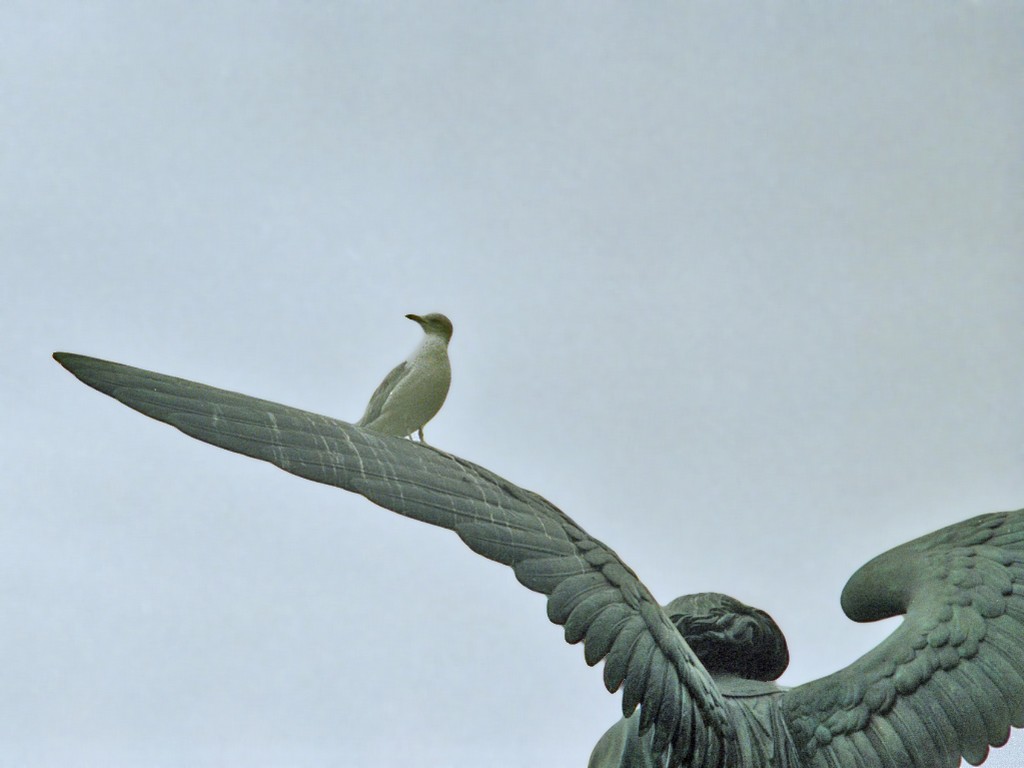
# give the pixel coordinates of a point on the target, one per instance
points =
(414, 391)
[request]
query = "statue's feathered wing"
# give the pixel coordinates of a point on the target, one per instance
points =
(592, 593)
(950, 680)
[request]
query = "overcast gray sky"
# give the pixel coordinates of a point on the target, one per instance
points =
(738, 286)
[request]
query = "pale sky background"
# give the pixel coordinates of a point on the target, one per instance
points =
(739, 286)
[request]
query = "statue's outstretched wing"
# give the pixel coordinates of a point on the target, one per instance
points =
(950, 680)
(592, 593)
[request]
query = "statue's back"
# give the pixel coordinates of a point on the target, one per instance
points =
(761, 741)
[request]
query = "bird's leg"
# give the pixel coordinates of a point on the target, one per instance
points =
(420, 430)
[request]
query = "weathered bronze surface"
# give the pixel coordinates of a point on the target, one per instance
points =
(695, 674)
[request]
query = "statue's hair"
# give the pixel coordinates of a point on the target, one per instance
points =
(730, 637)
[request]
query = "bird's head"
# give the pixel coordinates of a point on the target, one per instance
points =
(434, 324)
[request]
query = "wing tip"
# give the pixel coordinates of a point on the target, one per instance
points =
(73, 362)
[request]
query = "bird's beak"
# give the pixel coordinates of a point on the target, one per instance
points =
(417, 318)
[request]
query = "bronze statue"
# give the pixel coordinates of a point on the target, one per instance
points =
(695, 674)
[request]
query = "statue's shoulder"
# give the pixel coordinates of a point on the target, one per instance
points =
(622, 747)
(735, 687)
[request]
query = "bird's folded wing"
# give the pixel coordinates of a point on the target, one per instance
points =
(381, 394)
(949, 682)
(594, 595)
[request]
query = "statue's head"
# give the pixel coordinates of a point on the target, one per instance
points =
(730, 637)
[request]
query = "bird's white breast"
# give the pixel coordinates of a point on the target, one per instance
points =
(419, 395)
